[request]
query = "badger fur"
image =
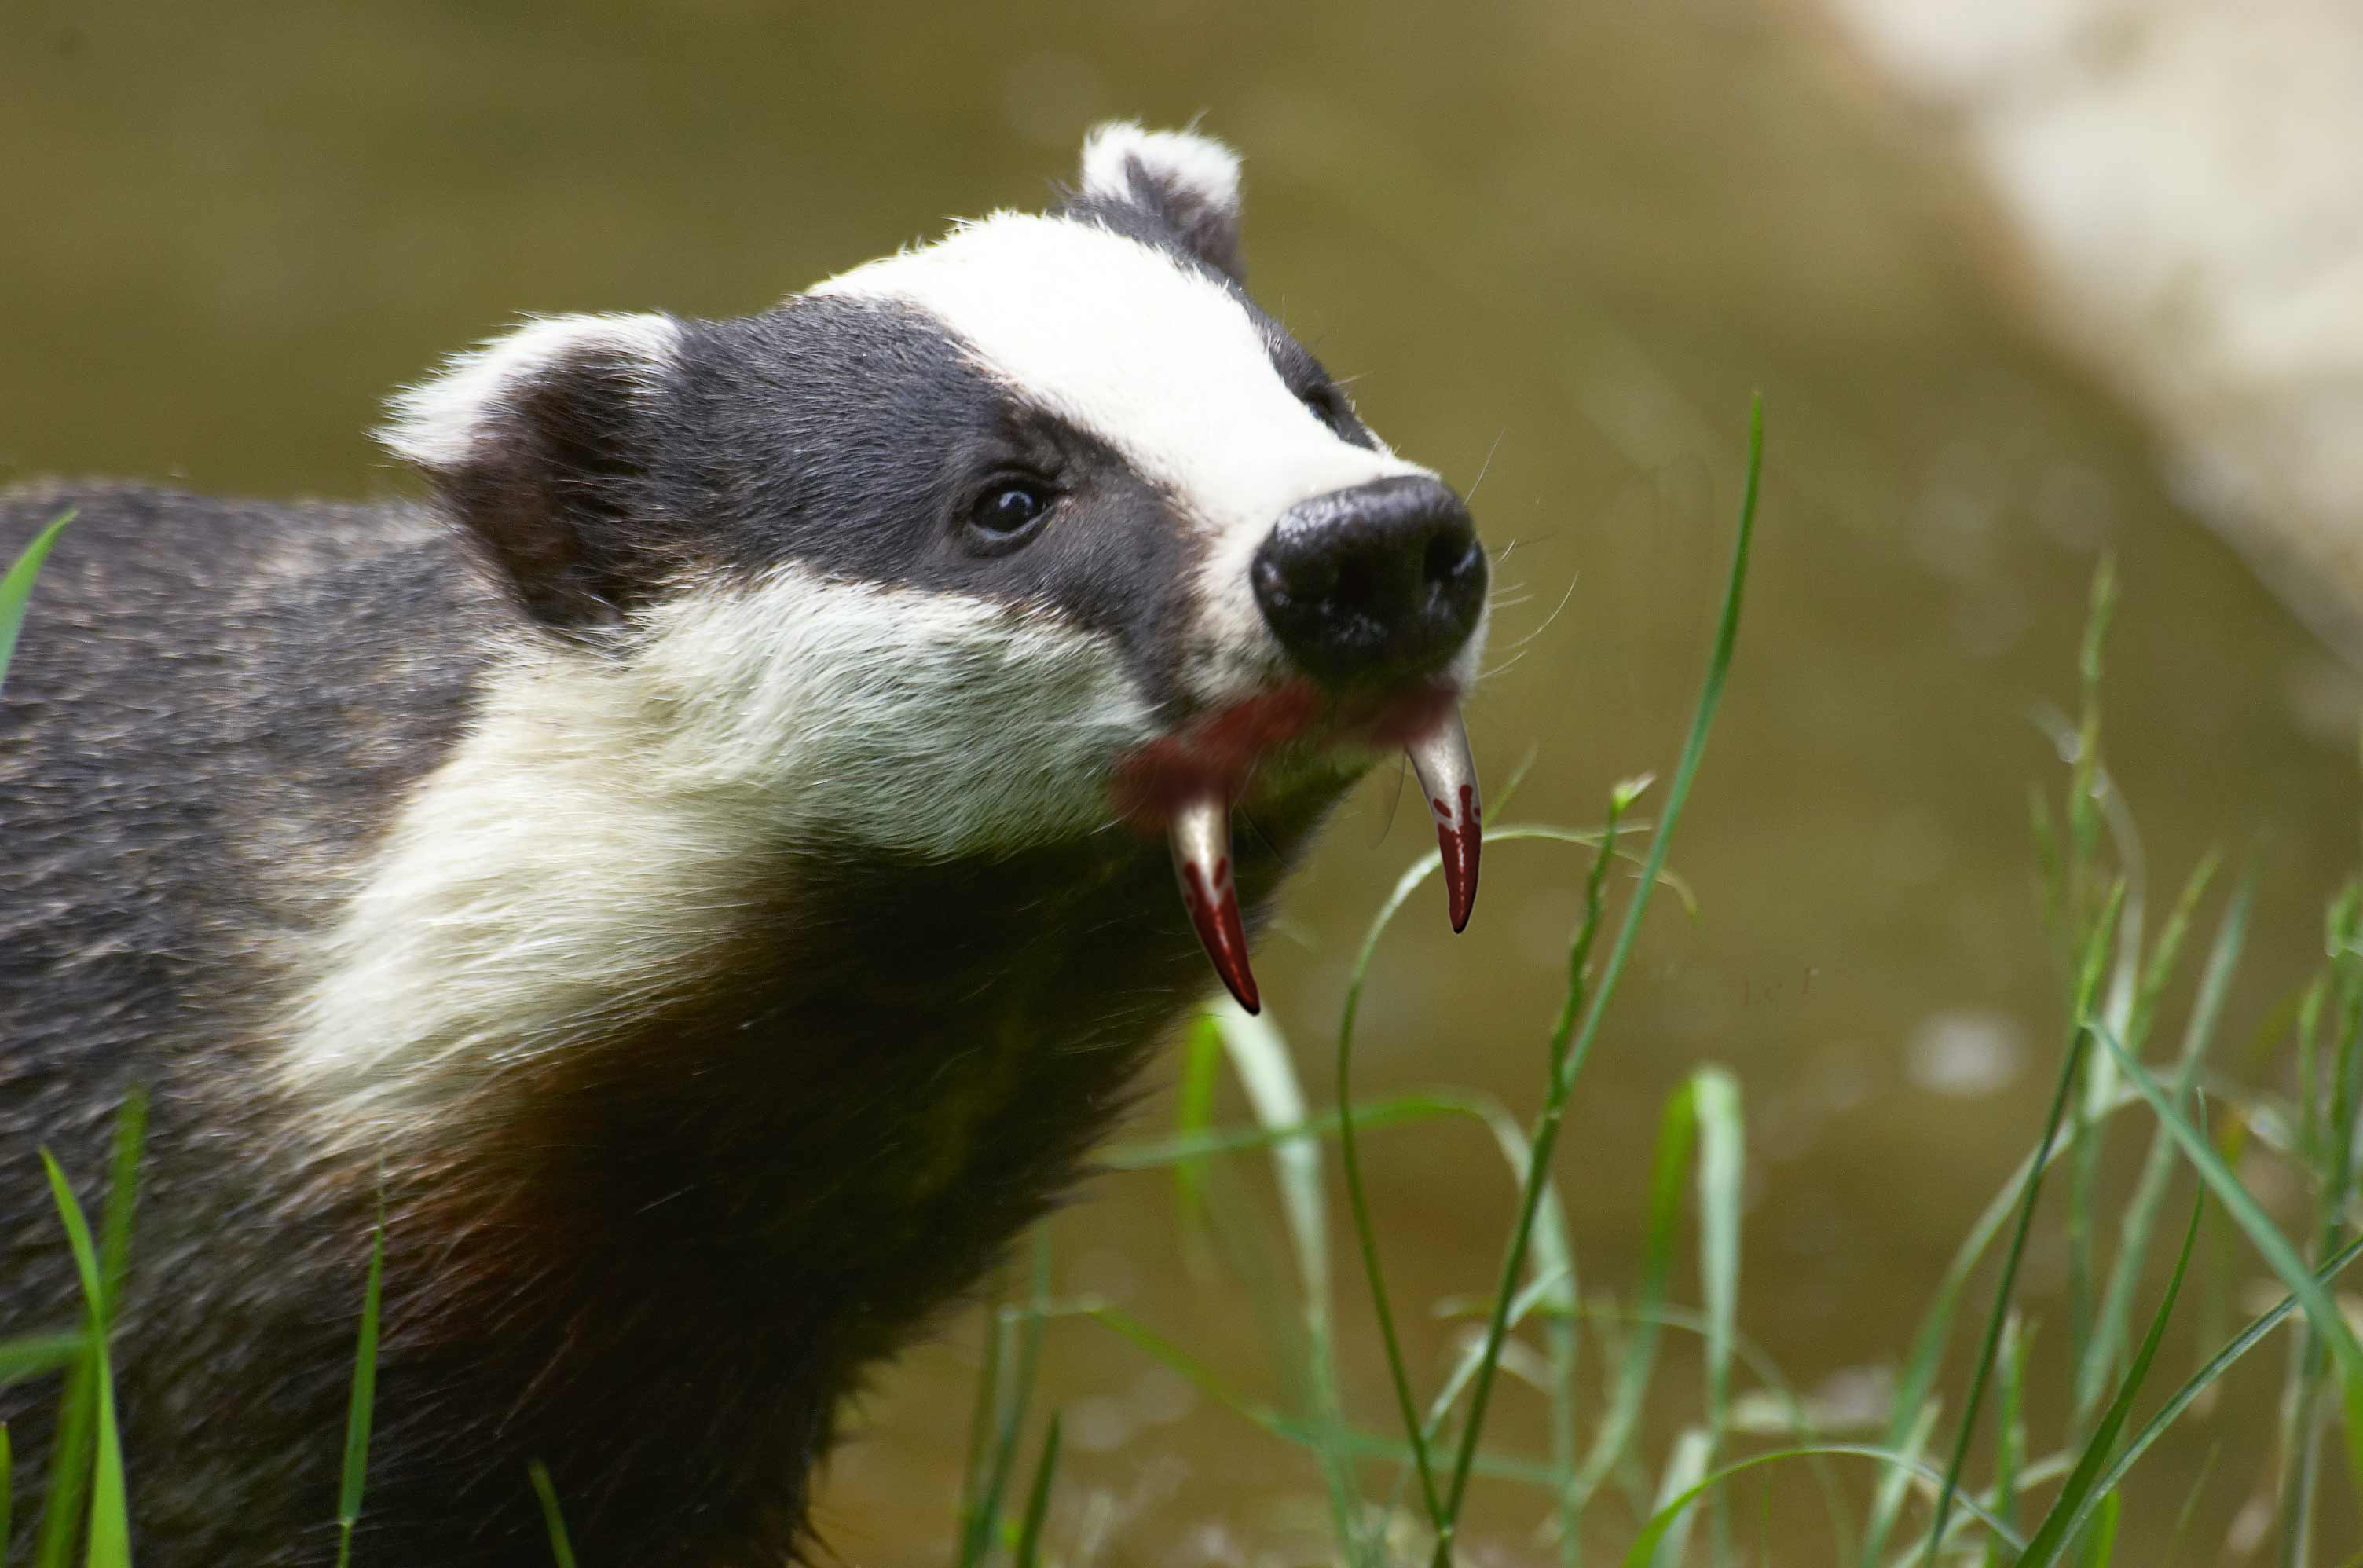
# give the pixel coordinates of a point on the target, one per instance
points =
(707, 872)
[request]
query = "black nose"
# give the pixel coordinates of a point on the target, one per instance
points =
(1374, 586)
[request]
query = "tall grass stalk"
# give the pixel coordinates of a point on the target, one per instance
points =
(1259, 1059)
(2159, 1164)
(2067, 1514)
(1020, 1348)
(2334, 1178)
(1037, 1498)
(2070, 1071)
(1569, 1055)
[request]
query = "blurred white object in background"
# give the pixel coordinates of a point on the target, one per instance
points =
(2186, 177)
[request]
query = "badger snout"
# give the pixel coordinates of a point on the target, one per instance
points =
(1375, 585)
(1373, 591)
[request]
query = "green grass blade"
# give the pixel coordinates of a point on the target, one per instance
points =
(1037, 1500)
(1260, 1058)
(986, 1521)
(122, 1196)
(1355, 1440)
(1568, 1066)
(1887, 1497)
(1684, 1468)
(2219, 1363)
(1193, 1117)
(2158, 1167)
(87, 1417)
(2010, 1429)
(2321, 1312)
(1539, 1300)
(7, 1493)
(553, 1518)
(2069, 1509)
(2069, 1078)
(980, 1432)
(1357, 1206)
(16, 588)
(1643, 1551)
(1621, 1422)
(1916, 1380)
(110, 1507)
(1349, 1150)
(70, 1458)
(1722, 1167)
(110, 1530)
(110, 1524)
(364, 1396)
(37, 1355)
(2102, 1548)
(1371, 1116)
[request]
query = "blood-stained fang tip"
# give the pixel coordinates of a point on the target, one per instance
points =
(1447, 777)
(1201, 830)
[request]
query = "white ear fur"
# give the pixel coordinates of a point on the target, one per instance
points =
(1197, 168)
(439, 423)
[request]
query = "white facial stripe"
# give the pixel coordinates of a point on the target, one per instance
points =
(591, 839)
(1130, 344)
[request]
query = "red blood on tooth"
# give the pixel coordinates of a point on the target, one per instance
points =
(1224, 935)
(1201, 830)
(1448, 774)
(1459, 843)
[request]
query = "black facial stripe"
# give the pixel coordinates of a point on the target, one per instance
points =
(857, 436)
(1306, 377)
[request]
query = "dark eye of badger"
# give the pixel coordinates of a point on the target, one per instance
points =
(1009, 508)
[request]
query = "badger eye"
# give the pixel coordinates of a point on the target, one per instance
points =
(1009, 507)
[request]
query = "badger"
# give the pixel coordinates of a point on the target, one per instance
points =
(706, 875)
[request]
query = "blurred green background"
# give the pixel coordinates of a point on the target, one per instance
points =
(1557, 246)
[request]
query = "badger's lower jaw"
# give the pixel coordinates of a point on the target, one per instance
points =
(1188, 783)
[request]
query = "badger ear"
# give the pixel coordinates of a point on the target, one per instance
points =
(1189, 183)
(540, 445)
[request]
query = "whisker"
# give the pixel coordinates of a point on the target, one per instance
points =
(1487, 463)
(1512, 662)
(1554, 616)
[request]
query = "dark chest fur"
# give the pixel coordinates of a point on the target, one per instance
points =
(657, 1264)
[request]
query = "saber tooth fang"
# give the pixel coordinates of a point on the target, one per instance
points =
(1447, 777)
(1201, 831)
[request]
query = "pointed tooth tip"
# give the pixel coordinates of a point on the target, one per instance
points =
(1201, 833)
(1448, 776)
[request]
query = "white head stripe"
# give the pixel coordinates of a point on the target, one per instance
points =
(1164, 364)
(1137, 348)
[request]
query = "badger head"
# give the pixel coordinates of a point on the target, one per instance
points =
(1041, 529)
